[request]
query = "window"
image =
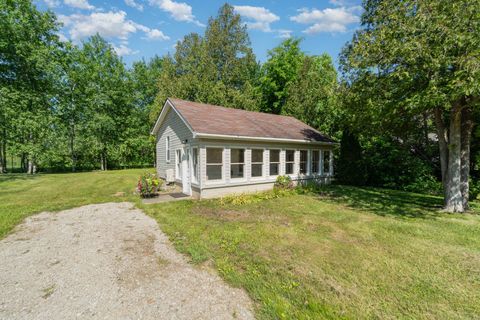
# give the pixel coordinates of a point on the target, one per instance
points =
(167, 149)
(237, 163)
(274, 162)
(214, 164)
(195, 164)
(315, 161)
(178, 164)
(289, 161)
(326, 162)
(303, 161)
(257, 163)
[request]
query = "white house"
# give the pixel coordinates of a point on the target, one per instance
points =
(213, 151)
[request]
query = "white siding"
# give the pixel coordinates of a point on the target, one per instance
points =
(174, 127)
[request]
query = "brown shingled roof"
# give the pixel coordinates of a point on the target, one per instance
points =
(210, 119)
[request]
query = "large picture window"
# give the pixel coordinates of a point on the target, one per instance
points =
(214, 163)
(257, 162)
(237, 163)
(274, 162)
(315, 161)
(303, 161)
(289, 161)
(195, 165)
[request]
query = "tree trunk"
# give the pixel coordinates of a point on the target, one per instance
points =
(467, 126)
(3, 157)
(443, 146)
(30, 165)
(102, 163)
(73, 156)
(453, 196)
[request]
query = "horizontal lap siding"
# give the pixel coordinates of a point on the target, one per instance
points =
(174, 127)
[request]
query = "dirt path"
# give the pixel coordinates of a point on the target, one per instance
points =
(107, 261)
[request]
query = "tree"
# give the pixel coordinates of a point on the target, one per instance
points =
(280, 70)
(29, 48)
(418, 57)
(312, 96)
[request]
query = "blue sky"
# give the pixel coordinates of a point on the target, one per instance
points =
(142, 28)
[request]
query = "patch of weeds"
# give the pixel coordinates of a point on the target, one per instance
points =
(48, 291)
(198, 253)
(242, 199)
(162, 262)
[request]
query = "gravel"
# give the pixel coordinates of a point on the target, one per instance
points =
(106, 261)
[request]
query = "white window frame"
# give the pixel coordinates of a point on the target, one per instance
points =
(312, 162)
(238, 163)
(195, 168)
(300, 162)
(327, 172)
(292, 162)
(257, 163)
(178, 164)
(278, 163)
(167, 149)
(215, 181)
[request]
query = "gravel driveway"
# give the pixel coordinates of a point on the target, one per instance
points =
(106, 261)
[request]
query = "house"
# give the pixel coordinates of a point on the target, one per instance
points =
(214, 151)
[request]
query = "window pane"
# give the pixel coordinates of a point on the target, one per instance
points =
(290, 155)
(257, 155)
(274, 155)
(326, 162)
(214, 172)
(257, 170)
(274, 169)
(195, 164)
(289, 168)
(236, 171)
(237, 155)
(315, 158)
(303, 161)
(214, 155)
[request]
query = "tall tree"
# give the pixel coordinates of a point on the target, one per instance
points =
(312, 96)
(29, 50)
(418, 57)
(280, 70)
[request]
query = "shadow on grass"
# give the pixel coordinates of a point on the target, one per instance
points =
(17, 176)
(385, 202)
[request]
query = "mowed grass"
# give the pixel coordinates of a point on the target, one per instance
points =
(342, 253)
(22, 195)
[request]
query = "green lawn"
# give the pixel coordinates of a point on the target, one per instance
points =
(342, 253)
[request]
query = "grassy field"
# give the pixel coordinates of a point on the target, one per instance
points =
(22, 195)
(342, 253)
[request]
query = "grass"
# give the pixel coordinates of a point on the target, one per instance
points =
(342, 252)
(22, 195)
(347, 253)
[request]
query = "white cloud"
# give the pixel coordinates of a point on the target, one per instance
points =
(327, 20)
(52, 3)
(108, 24)
(156, 34)
(123, 50)
(133, 4)
(180, 11)
(80, 4)
(258, 18)
(284, 33)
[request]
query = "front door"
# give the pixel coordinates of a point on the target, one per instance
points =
(186, 183)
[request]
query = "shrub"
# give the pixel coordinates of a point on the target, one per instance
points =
(284, 182)
(148, 185)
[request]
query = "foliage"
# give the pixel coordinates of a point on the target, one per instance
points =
(283, 182)
(148, 185)
(244, 198)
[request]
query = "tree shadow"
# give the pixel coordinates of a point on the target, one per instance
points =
(384, 202)
(17, 176)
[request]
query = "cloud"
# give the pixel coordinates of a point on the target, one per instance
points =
(80, 4)
(123, 50)
(133, 4)
(179, 11)
(108, 24)
(327, 20)
(258, 18)
(156, 34)
(284, 33)
(52, 3)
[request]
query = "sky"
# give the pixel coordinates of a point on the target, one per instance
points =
(140, 29)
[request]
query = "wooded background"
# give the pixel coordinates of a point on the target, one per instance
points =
(404, 106)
